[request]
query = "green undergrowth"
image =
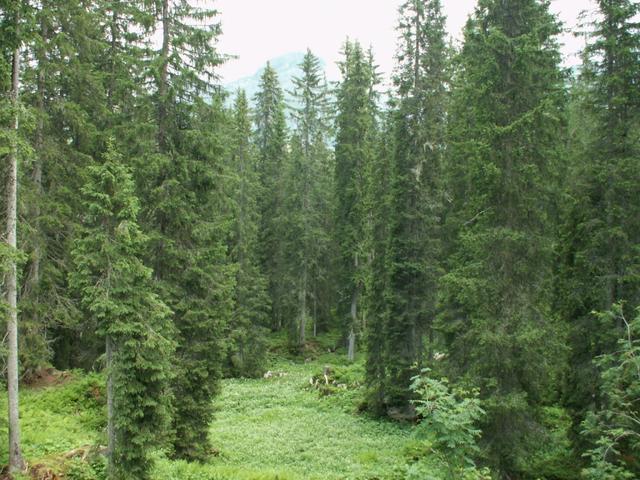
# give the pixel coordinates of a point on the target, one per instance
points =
(283, 427)
(59, 418)
(301, 421)
(295, 424)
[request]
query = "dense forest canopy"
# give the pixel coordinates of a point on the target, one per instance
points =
(470, 233)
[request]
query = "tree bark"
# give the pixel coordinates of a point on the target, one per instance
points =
(315, 314)
(33, 280)
(111, 431)
(16, 463)
(351, 350)
(113, 54)
(416, 64)
(303, 309)
(164, 78)
(351, 353)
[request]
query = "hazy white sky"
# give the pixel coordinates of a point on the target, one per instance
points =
(259, 30)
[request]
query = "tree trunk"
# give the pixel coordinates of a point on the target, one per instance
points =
(113, 55)
(33, 279)
(163, 79)
(416, 64)
(351, 353)
(354, 306)
(111, 431)
(351, 350)
(315, 315)
(16, 463)
(303, 309)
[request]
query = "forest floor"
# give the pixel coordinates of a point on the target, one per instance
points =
(281, 427)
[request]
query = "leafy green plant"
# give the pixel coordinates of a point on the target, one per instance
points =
(78, 469)
(60, 418)
(551, 457)
(614, 429)
(447, 429)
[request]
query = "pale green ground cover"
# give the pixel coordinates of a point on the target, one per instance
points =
(265, 429)
(57, 419)
(281, 428)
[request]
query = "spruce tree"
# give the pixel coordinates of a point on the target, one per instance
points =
(421, 83)
(186, 60)
(356, 131)
(505, 130)
(378, 292)
(601, 234)
(201, 283)
(308, 197)
(116, 291)
(248, 324)
(270, 137)
(181, 180)
(67, 98)
(613, 430)
(29, 295)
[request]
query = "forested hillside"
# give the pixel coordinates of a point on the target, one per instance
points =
(433, 279)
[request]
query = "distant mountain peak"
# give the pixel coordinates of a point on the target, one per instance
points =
(287, 67)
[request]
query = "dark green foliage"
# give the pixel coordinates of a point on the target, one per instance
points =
(14, 29)
(506, 122)
(614, 429)
(198, 277)
(67, 105)
(247, 327)
(415, 253)
(356, 133)
(270, 138)
(601, 234)
(115, 289)
(91, 78)
(180, 178)
(453, 229)
(184, 65)
(448, 428)
(309, 200)
(378, 281)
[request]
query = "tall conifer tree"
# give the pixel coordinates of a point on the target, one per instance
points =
(13, 32)
(309, 197)
(270, 137)
(505, 126)
(250, 318)
(421, 82)
(182, 182)
(378, 293)
(601, 235)
(354, 150)
(69, 101)
(116, 290)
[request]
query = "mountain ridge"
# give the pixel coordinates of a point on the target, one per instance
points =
(287, 67)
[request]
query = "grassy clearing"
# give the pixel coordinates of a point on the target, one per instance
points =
(58, 419)
(281, 428)
(265, 429)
